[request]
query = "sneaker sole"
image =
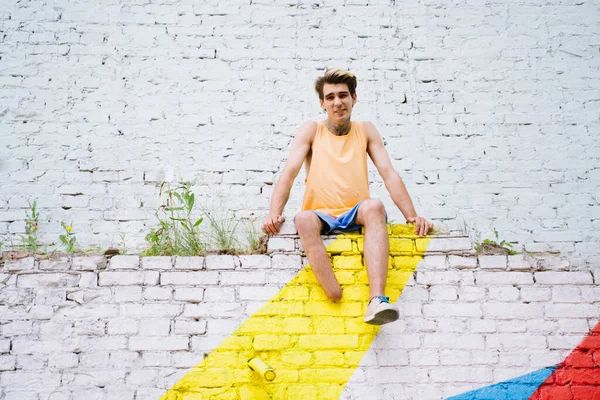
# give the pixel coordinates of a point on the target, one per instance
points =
(383, 317)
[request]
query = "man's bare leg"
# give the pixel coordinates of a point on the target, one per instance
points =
(371, 214)
(309, 227)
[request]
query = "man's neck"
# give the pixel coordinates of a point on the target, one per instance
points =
(339, 130)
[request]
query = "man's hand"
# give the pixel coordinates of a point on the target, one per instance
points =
(272, 223)
(422, 226)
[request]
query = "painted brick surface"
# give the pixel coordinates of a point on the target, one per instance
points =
(489, 112)
(136, 332)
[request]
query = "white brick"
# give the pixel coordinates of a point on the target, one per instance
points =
(392, 357)
(219, 294)
(160, 263)
(492, 262)
(128, 294)
(89, 263)
(566, 294)
(124, 262)
(281, 261)
(521, 262)
(541, 326)
(257, 292)
(438, 278)
(154, 310)
(453, 341)
(465, 374)
(21, 395)
(125, 326)
(155, 327)
(47, 280)
(396, 342)
(461, 262)
(506, 341)
(529, 294)
(288, 227)
(60, 264)
(191, 295)
(255, 261)
(444, 244)
(443, 293)
(157, 358)
(512, 326)
(564, 342)
(243, 278)
(574, 326)
(220, 262)
(7, 363)
(37, 381)
(482, 326)
(191, 263)
(512, 310)
(63, 360)
(449, 309)
(451, 325)
(128, 278)
(154, 343)
(213, 310)
(503, 293)
(189, 278)
(433, 262)
(190, 327)
(467, 293)
(24, 264)
(88, 280)
(563, 278)
(572, 311)
(281, 244)
(158, 293)
(503, 278)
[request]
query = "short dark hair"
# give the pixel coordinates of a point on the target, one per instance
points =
(334, 76)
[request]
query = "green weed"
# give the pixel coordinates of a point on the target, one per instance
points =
(494, 246)
(177, 233)
(30, 239)
(257, 241)
(223, 231)
(68, 239)
(122, 249)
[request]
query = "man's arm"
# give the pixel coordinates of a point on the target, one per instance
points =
(300, 148)
(392, 180)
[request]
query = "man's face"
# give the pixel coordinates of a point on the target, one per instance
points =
(338, 102)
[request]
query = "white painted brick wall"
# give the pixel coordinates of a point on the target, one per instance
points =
(131, 333)
(490, 115)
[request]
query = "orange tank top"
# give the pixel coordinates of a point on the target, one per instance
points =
(336, 171)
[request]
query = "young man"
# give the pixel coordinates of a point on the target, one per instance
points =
(334, 152)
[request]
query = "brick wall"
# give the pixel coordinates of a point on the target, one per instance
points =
(489, 110)
(164, 327)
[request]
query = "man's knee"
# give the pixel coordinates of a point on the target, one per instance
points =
(373, 208)
(307, 222)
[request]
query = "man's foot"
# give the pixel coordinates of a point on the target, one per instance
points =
(380, 311)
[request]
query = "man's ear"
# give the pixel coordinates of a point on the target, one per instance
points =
(322, 104)
(354, 99)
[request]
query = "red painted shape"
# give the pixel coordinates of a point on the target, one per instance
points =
(578, 377)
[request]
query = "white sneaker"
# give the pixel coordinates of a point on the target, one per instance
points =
(380, 311)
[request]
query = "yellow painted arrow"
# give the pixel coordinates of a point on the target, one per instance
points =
(313, 345)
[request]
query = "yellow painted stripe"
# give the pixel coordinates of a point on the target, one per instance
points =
(313, 344)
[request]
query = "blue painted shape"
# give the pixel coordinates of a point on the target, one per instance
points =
(520, 388)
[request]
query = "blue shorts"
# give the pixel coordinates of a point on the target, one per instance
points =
(345, 222)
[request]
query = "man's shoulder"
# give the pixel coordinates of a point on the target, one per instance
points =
(310, 125)
(369, 128)
(308, 129)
